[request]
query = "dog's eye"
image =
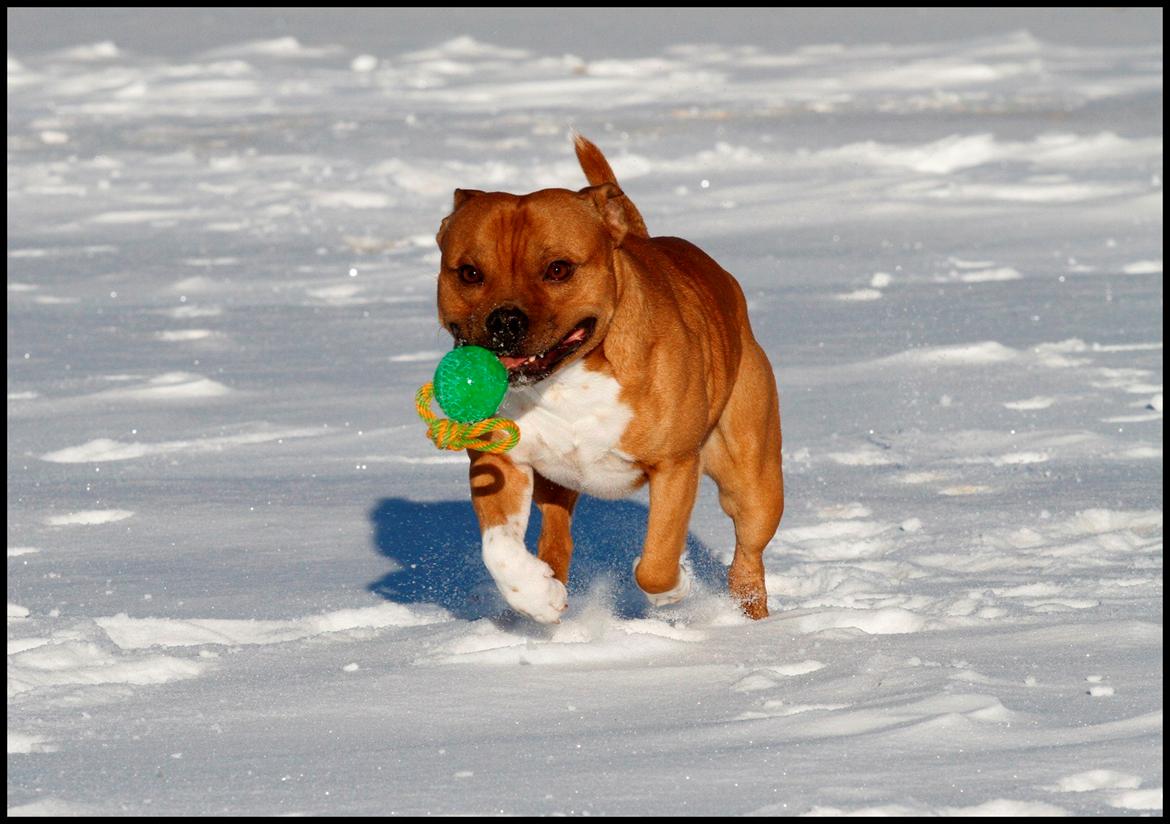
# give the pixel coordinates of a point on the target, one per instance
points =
(470, 275)
(559, 270)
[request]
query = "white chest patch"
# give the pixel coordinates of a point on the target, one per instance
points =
(570, 428)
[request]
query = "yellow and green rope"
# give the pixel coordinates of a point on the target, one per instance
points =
(453, 435)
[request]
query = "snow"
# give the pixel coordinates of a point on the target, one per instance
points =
(241, 581)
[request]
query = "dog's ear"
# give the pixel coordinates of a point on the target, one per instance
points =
(607, 197)
(461, 197)
(464, 195)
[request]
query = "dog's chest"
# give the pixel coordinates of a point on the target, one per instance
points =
(571, 425)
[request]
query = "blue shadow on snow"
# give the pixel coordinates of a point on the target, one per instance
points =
(436, 548)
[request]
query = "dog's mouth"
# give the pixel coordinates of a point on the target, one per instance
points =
(528, 369)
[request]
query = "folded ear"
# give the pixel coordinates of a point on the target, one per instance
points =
(464, 195)
(461, 197)
(609, 200)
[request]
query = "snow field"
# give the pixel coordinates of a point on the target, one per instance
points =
(242, 582)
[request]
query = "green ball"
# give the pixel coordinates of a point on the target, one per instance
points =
(470, 382)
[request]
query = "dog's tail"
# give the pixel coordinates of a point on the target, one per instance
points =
(597, 172)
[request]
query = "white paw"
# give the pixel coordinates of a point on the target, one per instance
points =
(526, 582)
(672, 596)
(542, 600)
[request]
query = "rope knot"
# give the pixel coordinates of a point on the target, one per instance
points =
(452, 435)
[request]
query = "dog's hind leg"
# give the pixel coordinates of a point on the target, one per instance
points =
(556, 515)
(742, 456)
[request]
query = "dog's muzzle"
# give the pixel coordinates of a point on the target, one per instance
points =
(506, 328)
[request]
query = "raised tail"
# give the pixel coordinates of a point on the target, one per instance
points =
(597, 172)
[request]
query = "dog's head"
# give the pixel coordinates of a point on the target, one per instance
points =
(531, 277)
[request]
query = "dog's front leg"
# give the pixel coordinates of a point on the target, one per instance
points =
(673, 486)
(556, 516)
(501, 492)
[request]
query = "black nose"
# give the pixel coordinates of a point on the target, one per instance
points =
(506, 327)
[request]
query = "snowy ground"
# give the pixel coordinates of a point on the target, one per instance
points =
(241, 581)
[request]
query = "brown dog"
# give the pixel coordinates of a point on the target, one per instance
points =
(630, 360)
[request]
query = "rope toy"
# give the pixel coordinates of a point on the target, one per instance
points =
(469, 384)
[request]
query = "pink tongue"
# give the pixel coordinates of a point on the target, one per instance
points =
(512, 363)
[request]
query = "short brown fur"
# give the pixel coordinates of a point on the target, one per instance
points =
(672, 330)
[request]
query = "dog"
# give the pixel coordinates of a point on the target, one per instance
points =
(630, 361)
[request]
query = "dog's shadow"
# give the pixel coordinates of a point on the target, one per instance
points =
(435, 547)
